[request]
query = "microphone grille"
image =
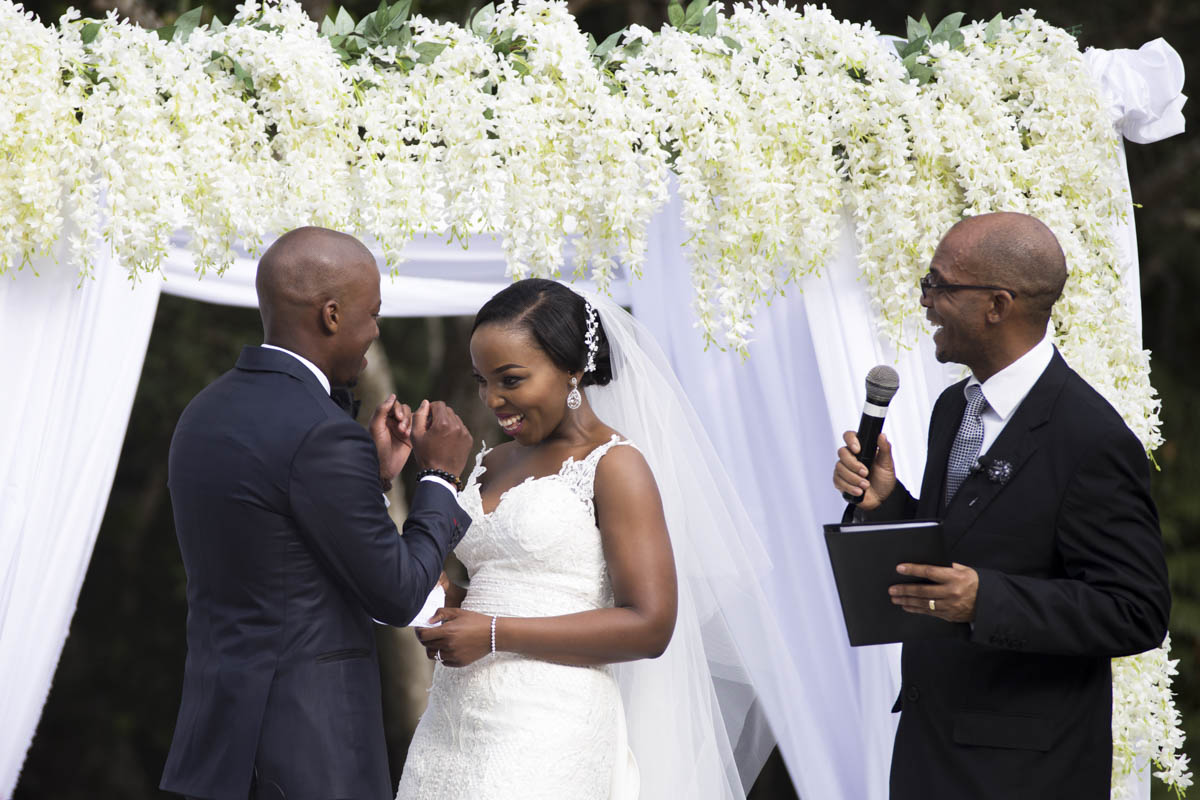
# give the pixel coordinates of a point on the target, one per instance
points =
(882, 384)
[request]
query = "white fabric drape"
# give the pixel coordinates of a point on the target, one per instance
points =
(73, 358)
(437, 279)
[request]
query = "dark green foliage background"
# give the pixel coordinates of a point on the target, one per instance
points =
(108, 722)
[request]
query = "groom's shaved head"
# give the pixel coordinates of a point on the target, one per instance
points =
(318, 293)
(302, 270)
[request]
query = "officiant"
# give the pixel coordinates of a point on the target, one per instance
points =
(1044, 497)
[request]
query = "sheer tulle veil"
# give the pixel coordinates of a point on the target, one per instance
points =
(696, 716)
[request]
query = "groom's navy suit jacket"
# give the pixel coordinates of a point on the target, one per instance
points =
(1071, 574)
(289, 553)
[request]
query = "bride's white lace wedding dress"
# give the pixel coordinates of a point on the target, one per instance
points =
(508, 726)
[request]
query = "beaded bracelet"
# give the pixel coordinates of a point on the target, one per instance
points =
(493, 635)
(449, 477)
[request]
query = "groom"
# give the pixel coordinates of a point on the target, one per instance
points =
(287, 544)
(1060, 562)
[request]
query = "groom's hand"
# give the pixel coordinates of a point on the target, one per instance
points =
(463, 638)
(391, 428)
(440, 439)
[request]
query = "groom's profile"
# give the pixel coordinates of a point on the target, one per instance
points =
(287, 544)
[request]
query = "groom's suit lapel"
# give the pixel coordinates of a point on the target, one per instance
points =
(1018, 441)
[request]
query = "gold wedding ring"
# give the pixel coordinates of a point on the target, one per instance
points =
(933, 605)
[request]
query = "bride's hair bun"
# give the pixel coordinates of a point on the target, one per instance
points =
(556, 318)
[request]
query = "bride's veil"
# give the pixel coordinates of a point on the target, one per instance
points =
(695, 715)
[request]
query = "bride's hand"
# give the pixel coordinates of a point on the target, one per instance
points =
(463, 637)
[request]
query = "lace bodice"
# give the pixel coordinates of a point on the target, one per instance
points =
(538, 553)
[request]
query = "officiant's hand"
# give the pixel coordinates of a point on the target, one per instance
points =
(463, 637)
(850, 476)
(952, 592)
(440, 439)
(391, 428)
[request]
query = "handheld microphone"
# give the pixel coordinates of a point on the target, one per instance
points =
(882, 384)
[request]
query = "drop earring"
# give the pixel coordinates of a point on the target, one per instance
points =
(574, 398)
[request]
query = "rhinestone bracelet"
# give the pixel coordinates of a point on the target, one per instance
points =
(493, 634)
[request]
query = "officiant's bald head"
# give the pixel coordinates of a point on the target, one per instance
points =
(318, 294)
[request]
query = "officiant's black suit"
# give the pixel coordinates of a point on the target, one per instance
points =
(289, 552)
(1071, 573)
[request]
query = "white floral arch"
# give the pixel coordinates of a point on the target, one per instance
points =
(805, 152)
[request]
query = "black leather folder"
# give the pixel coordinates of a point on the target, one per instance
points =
(864, 558)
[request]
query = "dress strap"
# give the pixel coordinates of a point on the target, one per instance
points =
(479, 468)
(581, 475)
(593, 458)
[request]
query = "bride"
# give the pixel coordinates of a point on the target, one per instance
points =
(613, 642)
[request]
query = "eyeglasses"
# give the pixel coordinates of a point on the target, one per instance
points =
(927, 286)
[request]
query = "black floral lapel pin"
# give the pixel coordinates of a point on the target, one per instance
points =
(997, 470)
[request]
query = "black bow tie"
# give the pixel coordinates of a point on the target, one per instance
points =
(344, 397)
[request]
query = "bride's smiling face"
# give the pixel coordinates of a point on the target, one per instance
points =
(517, 380)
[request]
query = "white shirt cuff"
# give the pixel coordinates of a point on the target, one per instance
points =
(443, 482)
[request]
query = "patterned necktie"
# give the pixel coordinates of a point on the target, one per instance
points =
(967, 442)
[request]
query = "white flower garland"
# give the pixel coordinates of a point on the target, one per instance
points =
(777, 123)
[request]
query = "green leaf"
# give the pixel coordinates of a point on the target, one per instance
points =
(695, 11)
(481, 20)
(429, 51)
(992, 31)
(400, 12)
(366, 25)
(949, 23)
(957, 40)
(166, 32)
(187, 22)
(912, 28)
(88, 33)
(915, 47)
(602, 50)
(634, 48)
(922, 72)
(216, 24)
(708, 23)
(327, 27)
(343, 22)
(732, 43)
(675, 15)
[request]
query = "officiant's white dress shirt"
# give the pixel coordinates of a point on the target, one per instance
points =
(1005, 390)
